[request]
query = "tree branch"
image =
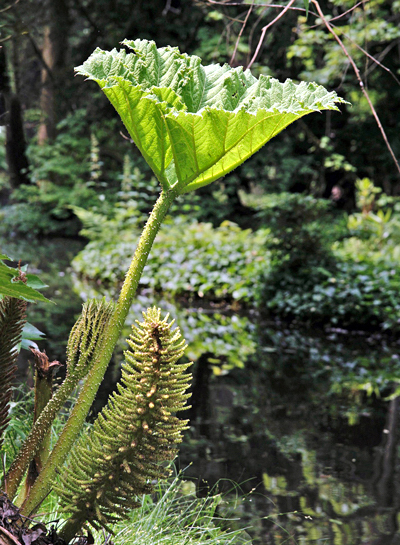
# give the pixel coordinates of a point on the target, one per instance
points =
(241, 32)
(360, 81)
(264, 30)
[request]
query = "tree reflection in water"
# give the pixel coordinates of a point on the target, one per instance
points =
(293, 417)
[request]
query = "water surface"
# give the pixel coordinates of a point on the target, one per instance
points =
(282, 419)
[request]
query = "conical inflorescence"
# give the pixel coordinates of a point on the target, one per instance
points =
(120, 456)
(86, 335)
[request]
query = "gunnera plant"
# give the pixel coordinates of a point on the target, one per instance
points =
(193, 124)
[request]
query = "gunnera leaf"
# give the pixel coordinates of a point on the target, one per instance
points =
(194, 123)
(119, 457)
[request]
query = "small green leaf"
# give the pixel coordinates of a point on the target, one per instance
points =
(34, 282)
(11, 288)
(32, 332)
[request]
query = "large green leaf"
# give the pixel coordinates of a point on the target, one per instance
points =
(193, 123)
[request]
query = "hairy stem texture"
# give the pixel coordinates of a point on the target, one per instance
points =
(82, 345)
(102, 357)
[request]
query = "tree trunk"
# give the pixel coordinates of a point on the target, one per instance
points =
(11, 117)
(55, 43)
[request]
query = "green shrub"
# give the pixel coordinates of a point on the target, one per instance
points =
(67, 158)
(45, 209)
(190, 258)
(357, 294)
(65, 173)
(375, 230)
(320, 274)
(304, 228)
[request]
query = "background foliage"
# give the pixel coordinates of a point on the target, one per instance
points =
(317, 251)
(307, 231)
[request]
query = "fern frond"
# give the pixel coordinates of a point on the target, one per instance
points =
(12, 320)
(117, 459)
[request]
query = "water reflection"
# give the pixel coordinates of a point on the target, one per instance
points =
(315, 459)
(291, 416)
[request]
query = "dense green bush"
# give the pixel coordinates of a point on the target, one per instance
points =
(190, 258)
(45, 209)
(64, 173)
(357, 294)
(326, 271)
(312, 264)
(375, 230)
(67, 158)
(304, 228)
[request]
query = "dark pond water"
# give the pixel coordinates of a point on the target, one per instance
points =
(282, 419)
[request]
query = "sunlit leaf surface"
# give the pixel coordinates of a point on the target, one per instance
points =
(194, 123)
